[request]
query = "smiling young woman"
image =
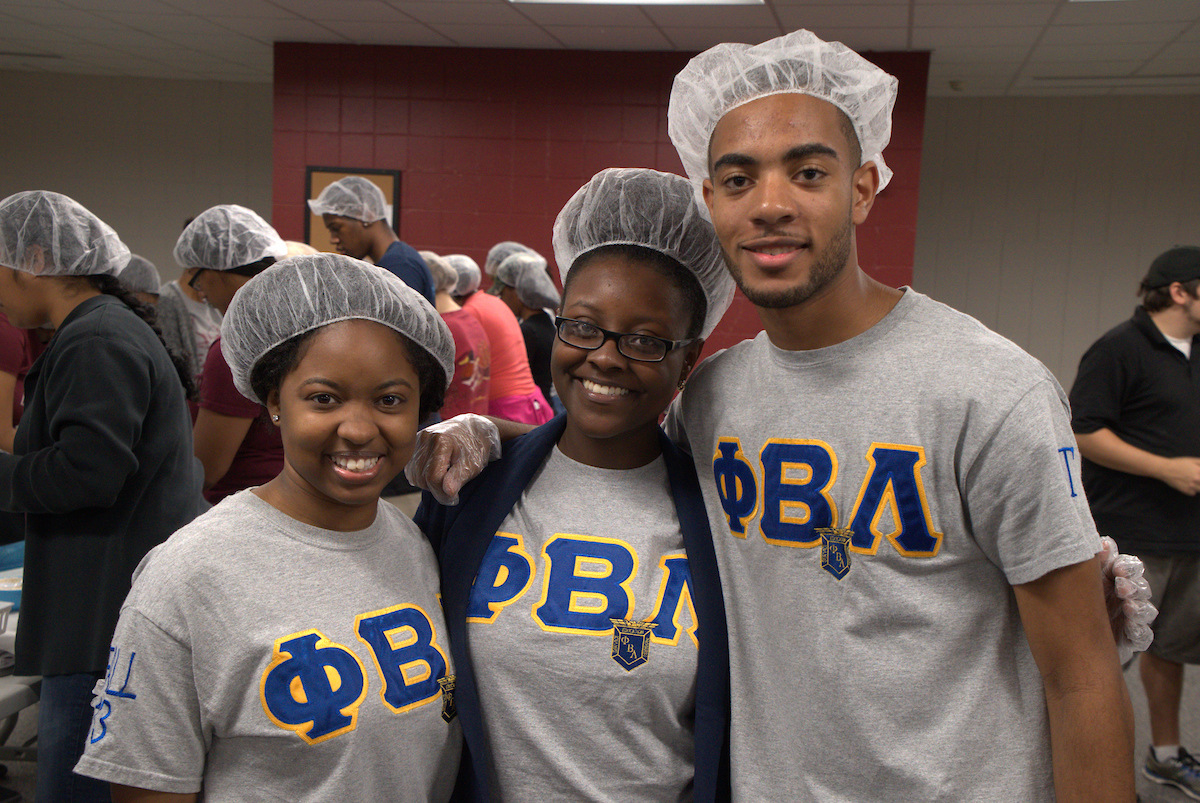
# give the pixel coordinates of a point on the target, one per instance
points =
(275, 642)
(593, 526)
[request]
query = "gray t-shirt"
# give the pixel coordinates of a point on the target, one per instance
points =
(871, 504)
(575, 706)
(268, 660)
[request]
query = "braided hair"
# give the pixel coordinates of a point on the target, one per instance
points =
(110, 286)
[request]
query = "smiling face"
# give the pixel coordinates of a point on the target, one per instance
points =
(347, 235)
(613, 403)
(348, 413)
(785, 192)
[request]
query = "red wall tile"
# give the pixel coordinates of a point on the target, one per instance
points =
(491, 143)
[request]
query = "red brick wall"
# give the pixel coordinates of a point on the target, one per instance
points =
(492, 143)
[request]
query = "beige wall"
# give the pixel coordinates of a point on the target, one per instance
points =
(1040, 215)
(143, 154)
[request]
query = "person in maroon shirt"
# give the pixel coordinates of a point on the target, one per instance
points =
(233, 438)
(468, 391)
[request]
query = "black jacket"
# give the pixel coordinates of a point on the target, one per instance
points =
(461, 535)
(104, 471)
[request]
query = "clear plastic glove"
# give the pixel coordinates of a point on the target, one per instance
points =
(451, 453)
(1127, 595)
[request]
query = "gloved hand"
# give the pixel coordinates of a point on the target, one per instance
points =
(1127, 595)
(451, 453)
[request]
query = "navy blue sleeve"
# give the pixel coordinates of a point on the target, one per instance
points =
(402, 260)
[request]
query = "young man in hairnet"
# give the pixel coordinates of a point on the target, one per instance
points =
(915, 606)
(358, 219)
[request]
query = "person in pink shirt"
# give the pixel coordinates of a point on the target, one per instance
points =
(513, 394)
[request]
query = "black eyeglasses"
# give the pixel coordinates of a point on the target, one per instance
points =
(643, 348)
(195, 276)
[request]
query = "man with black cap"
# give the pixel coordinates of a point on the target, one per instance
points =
(1136, 416)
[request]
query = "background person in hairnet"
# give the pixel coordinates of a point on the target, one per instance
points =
(238, 447)
(289, 645)
(521, 282)
(616, 687)
(468, 276)
(359, 222)
(934, 626)
(512, 395)
(141, 278)
(102, 465)
(468, 391)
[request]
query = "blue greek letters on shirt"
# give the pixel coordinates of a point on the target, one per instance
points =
(798, 508)
(118, 671)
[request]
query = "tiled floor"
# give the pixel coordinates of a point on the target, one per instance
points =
(21, 774)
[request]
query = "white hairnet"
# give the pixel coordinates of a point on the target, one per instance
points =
(468, 274)
(639, 206)
(527, 274)
(303, 293)
(502, 251)
(353, 197)
(225, 237)
(445, 277)
(729, 75)
(74, 242)
(140, 276)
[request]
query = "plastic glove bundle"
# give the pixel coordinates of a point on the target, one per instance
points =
(638, 206)
(303, 293)
(1128, 600)
(729, 75)
(227, 236)
(450, 453)
(73, 241)
(353, 197)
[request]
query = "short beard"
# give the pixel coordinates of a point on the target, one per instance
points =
(825, 268)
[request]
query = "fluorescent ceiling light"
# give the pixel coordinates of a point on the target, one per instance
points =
(649, 2)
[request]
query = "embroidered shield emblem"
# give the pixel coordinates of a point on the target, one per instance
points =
(449, 712)
(631, 643)
(835, 551)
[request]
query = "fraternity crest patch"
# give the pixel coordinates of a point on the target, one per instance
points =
(835, 550)
(448, 709)
(631, 643)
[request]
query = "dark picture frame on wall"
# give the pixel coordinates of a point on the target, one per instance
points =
(318, 178)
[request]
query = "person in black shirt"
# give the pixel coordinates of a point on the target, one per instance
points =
(1136, 416)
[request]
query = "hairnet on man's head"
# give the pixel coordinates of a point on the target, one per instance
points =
(502, 251)
(72, 241)
(468, 274)
(226, 237)
(353, 197)
(445, 277)
(140, 276)
(526, 273)
(639, 206)
(303, 293)
(729, 75)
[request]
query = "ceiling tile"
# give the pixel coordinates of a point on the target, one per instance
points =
(703, 38)
(1111, 34)
(293, 30)
(463, 13)
(1131, 13)
(938, 38)
(623, 38)
(523, 36)
(844, 16)
(980, 54)
(167, 23)
(236, 8)
(56, 17)
(1182, 51)
(711, 16)
(364, 32)
(598, 16)
(948, 15)
(1038, 68)
(1133, 51)
(345, 10)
